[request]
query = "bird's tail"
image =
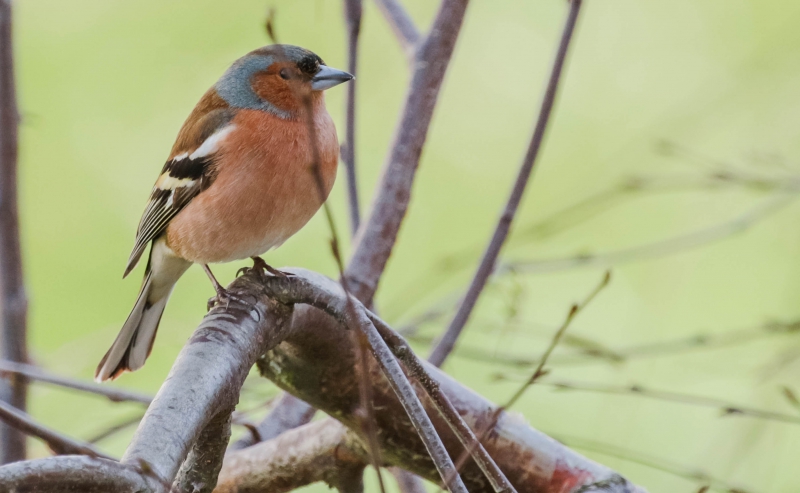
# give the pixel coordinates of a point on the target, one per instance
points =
(135, 340)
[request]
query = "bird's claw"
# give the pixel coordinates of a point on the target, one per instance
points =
(223, 296)
(263, 267)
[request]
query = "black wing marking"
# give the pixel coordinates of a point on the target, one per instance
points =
(180, 181)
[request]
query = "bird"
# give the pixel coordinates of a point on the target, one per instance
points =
(252, 163)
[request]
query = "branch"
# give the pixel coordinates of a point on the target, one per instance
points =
(376, 237)
(403, 26)
(448, 340)
(13, 301)
(289, 413)
(207, 377)
(75, 473)
(320, 451)
(724, 407)
(320, 293)
(659, 248)
(58, 443)
(353, 18)
(33, 372)
(469, 441)
(201, 468)
(316, 364)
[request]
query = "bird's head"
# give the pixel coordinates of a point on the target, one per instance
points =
(278, 79)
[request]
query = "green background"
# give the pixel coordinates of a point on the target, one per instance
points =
(104, 86)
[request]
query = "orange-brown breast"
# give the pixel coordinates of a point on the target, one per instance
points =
(264, 190)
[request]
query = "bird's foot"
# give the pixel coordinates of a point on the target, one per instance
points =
(223, 298)
(261, 266)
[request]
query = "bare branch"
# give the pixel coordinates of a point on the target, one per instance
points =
(58, 443)
(724, 407)
(320, 293)
(353, 18)
(289, 413)
(377, 235)
(309, 361)
(487, 264)
(594, 355)
(75, 473)
(114, 429)
(33, 372)
(657, 249)
(320, 451)
(196, 389)
(13, 300)
(540, 371)
(573, 312)
(403, 26)
(201, 468)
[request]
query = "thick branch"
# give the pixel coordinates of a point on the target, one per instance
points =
(402, 25)
(68, 473)
(448, 340)
(320, 451)
(322, 293)
(13, 301)
(199, 472)
(207, 377)
(376, 237)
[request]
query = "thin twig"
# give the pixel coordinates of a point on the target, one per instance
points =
(114, 429)
(725, 408)
(791, 397)
(573, 312)
(702, 341)
(403, 26)
(540, 370)
(58, 443)
(353, 18)
(13, 300)
(368, 415)
(33, 372)
(660, 248)
(487, 264)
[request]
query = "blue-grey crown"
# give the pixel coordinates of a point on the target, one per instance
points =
(234, 85)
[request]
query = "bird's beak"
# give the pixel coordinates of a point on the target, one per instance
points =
(328, 77)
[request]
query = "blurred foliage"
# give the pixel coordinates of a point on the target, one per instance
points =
(105, 84)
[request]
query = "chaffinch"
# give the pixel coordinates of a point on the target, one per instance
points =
(238, 182)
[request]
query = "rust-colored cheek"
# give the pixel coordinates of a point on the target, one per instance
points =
(272, 88)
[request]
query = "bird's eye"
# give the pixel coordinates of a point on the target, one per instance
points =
(284, 73)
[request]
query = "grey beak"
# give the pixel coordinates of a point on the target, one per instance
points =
(328, 77)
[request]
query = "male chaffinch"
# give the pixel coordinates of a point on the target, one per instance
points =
(238, 182)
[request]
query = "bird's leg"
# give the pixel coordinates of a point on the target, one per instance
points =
(222, 293)
(260, 265)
